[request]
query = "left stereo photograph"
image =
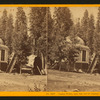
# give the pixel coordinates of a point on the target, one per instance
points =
(23, 48)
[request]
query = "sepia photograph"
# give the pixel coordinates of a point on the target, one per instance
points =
(74, 49)
(23, 49)
(50, 49)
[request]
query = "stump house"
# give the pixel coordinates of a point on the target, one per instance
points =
(3, 56)
(83, 57)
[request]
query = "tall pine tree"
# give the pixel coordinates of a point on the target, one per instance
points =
(38, 29)
(98, 21)
(85, 26)
(97, 33)
(9, 33)
(61, 26)
(4, 19)
(21, 43)
(91, 33)
(36, 19)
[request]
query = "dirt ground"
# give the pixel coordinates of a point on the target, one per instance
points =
(22, 82)
(72, 81)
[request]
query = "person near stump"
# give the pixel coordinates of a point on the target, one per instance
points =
(37, 65)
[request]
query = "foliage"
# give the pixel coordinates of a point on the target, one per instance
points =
(6, 29)
(97, 34)
(3, 25)
(85, 26)
(9, 33)
(91, 34)
(59, 50)
(48, 34)
(98, 21)
(21, 43)
(38, 27)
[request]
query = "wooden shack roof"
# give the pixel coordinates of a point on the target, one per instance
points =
(3, 47)
(80, 43)
(82, 46)
(77, 39)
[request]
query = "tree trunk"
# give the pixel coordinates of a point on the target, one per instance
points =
(42, 56)
(60, 65)
(46, 65)
(20, 67)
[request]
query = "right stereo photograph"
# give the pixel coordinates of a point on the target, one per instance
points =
(73, 49)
